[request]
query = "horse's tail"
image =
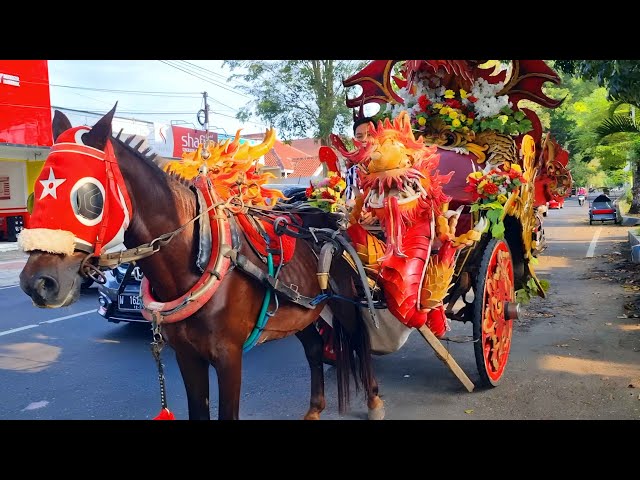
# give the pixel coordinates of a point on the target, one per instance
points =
(353, 359)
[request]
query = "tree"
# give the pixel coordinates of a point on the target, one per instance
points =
(297, 97)
(574, 124)
(627, 128)
(621, 78)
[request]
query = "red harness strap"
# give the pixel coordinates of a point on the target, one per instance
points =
(259, 244)
(114, 180)
(206, 286)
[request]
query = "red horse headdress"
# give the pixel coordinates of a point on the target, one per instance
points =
(80, 201)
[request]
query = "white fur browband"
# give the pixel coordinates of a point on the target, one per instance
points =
(47, 240)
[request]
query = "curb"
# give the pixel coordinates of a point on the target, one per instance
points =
(634, 242)
(630, 221)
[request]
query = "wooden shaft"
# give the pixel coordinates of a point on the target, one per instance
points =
(444, 355)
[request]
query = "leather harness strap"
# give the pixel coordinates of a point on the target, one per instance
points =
(189, 303)
(242, 262)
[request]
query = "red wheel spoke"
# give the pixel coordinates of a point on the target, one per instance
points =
(496, 331)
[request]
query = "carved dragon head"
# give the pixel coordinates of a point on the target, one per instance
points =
(397, 174)
(231, 166)
(396, 170)
(554, 180)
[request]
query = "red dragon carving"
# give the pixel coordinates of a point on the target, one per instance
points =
(404, 190)
(554, 180)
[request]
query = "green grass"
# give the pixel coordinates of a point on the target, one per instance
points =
(624, 206)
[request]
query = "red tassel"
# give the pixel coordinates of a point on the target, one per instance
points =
(165, 414)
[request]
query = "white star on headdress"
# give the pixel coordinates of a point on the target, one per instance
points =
(51, 184)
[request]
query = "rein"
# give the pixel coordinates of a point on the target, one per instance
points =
(112, 260)
(227, 255)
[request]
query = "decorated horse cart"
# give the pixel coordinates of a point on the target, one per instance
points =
(453, 170)
(450, 175)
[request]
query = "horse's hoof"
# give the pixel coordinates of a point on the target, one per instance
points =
(312, 416)
(376, 413)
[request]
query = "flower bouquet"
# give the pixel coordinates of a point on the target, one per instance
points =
(326, 193)
(432, 105)
(492, 191)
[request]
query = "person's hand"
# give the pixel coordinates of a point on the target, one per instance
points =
(367, 218)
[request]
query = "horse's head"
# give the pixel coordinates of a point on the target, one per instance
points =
(81, 207)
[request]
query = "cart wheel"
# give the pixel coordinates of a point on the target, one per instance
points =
(491, 331)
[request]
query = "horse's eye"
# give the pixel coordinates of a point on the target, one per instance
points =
(87, 200)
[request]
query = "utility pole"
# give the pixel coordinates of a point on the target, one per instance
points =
(203, 119)
(203, 114)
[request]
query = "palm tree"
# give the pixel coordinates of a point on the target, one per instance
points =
(625, 124)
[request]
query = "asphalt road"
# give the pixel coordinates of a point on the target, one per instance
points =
(574, 356)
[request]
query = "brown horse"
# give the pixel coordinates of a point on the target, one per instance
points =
(156, 203)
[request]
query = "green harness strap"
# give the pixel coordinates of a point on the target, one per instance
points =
(262, 316)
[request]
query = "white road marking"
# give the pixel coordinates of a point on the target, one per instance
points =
(53, 320)
(594, 241)
(14, 330)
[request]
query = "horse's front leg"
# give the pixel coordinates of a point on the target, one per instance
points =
(195, 375)
(228, 365)
(313, 346)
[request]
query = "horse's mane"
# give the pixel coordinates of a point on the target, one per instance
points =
(152, 159)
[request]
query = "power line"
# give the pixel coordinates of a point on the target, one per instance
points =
(155, 93)
(132, 92)
(133, 113)
(190, 68)
(119, 111)
(204, 78)
(211, 72)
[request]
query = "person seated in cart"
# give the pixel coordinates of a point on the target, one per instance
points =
(353, 199)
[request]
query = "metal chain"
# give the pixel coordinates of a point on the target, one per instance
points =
(156, 348)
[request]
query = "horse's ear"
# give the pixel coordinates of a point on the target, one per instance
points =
(59, 124)
(98, 135)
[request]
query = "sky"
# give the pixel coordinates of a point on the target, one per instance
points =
(163, 91)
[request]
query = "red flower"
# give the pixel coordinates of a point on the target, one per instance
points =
(490, 188)
(472, 99)
(327, 195)
(309, 192)
(453, 103)
(424, 102)
(471, 115)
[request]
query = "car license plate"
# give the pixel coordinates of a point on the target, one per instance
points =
(129, 302)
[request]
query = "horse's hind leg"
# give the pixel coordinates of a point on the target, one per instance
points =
(195, 375)
(362, 344)
(375, 404)
(313, 346)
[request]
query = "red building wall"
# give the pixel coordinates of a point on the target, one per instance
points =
(25, 103)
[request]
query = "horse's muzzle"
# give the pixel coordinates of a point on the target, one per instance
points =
(50, 280)
(42, 289)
